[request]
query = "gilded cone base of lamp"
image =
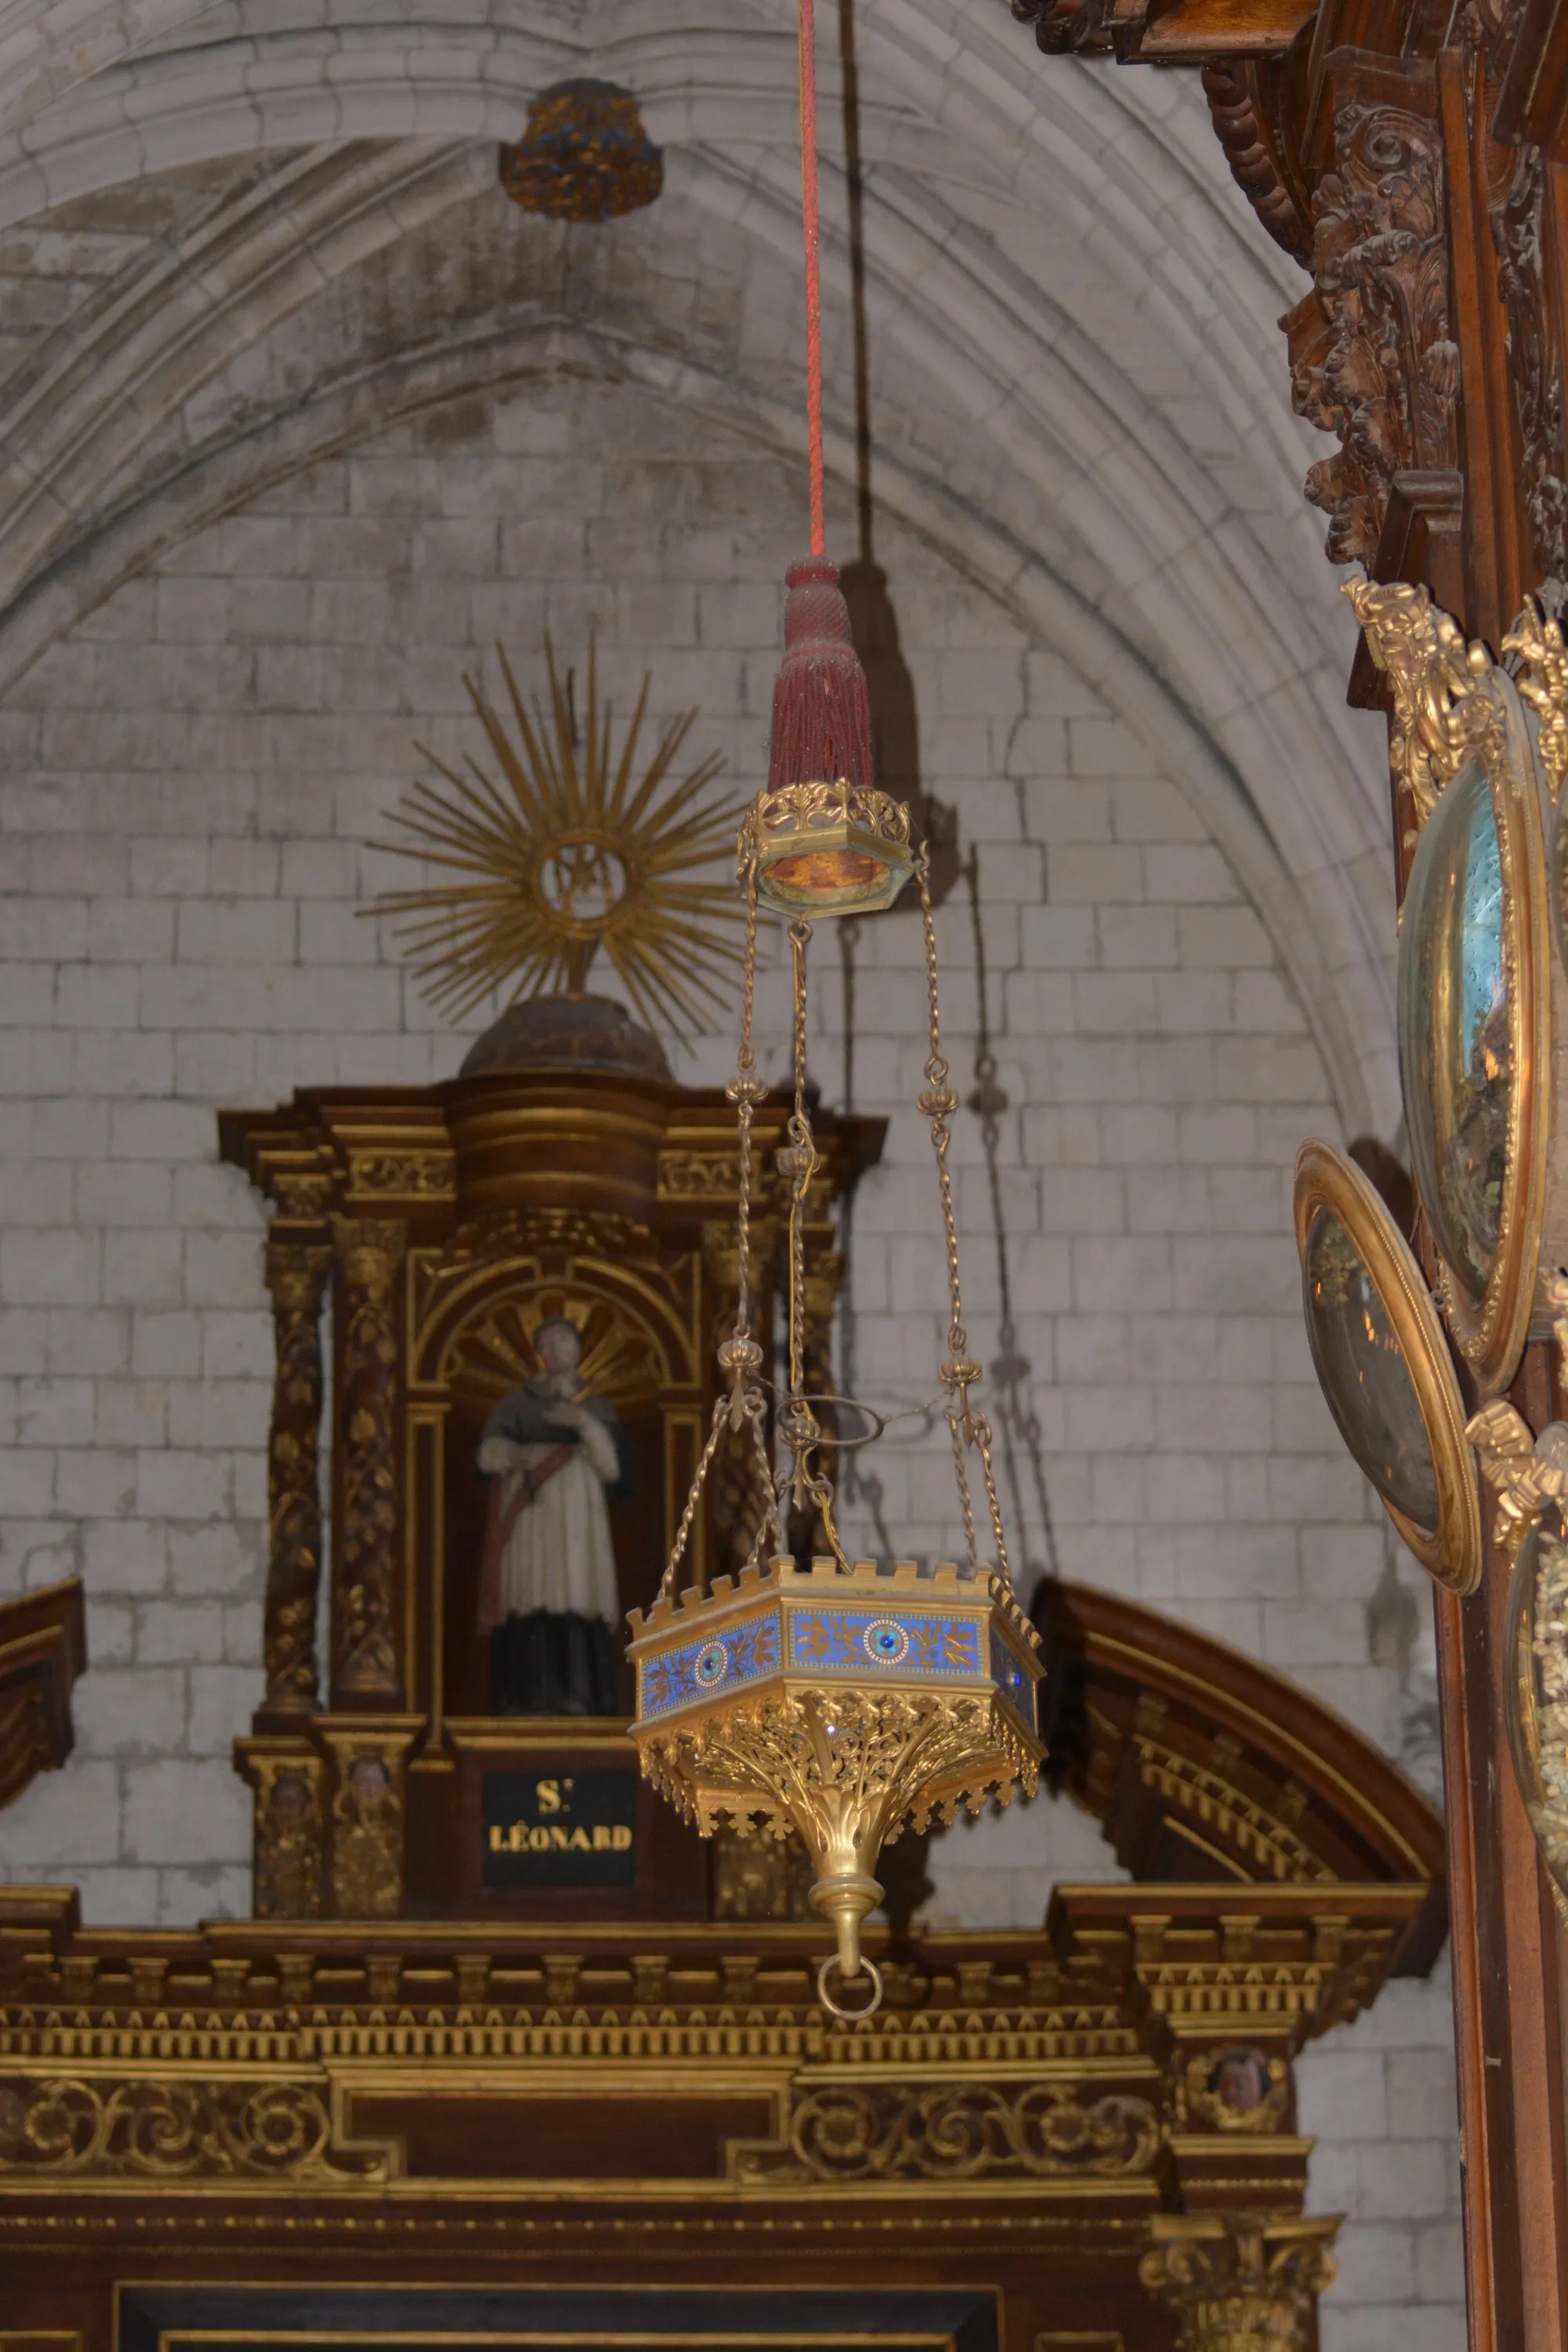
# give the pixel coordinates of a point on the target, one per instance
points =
(828, 849)
(842, 1705)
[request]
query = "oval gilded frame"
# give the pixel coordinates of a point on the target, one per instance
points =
(1451, 1553)
(1490, 1332)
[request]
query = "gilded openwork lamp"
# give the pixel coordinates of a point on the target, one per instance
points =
(843, 1699)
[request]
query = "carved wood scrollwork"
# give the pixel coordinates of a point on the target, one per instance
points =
(1372, 355)
(967, 2131)
(173, 2129)
(296, 1272)
(364, 1650)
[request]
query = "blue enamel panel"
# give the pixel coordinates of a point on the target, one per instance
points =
(854, 1639)
(1013, 1678)
(701, 1669)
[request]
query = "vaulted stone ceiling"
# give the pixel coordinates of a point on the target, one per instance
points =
(235, 239)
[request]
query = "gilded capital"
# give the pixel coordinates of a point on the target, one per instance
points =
(1239, 2282)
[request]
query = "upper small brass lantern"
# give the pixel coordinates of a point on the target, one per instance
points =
(847, 1699)
(827, 842)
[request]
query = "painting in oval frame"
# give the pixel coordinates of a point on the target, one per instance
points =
(1383, 1365)
(1475, 1037)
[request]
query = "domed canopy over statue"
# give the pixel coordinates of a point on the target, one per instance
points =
(556, 1456)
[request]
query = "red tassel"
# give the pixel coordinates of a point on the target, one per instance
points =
(822, 717)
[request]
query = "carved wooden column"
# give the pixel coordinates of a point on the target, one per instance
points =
(364, 1565)
(1239, 2282)
(296, 1274)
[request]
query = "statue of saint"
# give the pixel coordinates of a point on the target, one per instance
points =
(557, 1457)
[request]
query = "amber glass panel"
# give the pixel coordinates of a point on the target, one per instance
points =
(1455, 1019)
(1364, 1376)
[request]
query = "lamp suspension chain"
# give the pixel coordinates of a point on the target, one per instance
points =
(833, 1698)
(740, 1407)
(938, 1100)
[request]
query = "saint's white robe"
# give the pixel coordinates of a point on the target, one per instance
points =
(559, 1554)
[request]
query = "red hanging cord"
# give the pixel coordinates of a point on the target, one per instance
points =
(821, 715)
(812, 275)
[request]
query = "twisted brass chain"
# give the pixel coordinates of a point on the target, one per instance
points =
(740, 1357)
(958, 1370)
(745, 1090)
(798, 1162)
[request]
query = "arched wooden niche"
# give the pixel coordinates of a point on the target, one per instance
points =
(1202, 1766)
(638, 1299)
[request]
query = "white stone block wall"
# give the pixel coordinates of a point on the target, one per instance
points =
(190, 782)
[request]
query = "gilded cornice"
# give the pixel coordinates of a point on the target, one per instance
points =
(1069, 2064)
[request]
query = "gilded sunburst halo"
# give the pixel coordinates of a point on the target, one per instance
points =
(568, 849)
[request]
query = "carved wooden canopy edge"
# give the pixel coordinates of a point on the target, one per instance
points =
(1200, 1762)
(43, 1649)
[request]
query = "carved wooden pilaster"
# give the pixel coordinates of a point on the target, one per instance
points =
(1239, 2282)
(296, 1272)
(364, 1568)
(1372, 354)
(365, 1868)
(289, 1829)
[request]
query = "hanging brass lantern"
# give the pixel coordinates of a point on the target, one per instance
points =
(844, 1699)
(827, 839)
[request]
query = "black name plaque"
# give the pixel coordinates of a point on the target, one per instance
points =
(559, 1829)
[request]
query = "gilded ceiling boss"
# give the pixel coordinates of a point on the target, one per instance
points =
(556, 1456)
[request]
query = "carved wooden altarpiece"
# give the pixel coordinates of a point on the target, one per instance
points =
(1079, 2138)
(439, 1227)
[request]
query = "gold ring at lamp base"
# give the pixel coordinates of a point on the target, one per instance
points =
(1451, 1551)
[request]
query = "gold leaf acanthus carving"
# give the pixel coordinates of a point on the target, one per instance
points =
(1536, 641)
(365, 1657)
(1445, 704)
(1524, 1479)
(172, 2128)
(424, 1174)
(1239, 2282)
(706, 1175)
(296, 1272)
(954, 2131)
